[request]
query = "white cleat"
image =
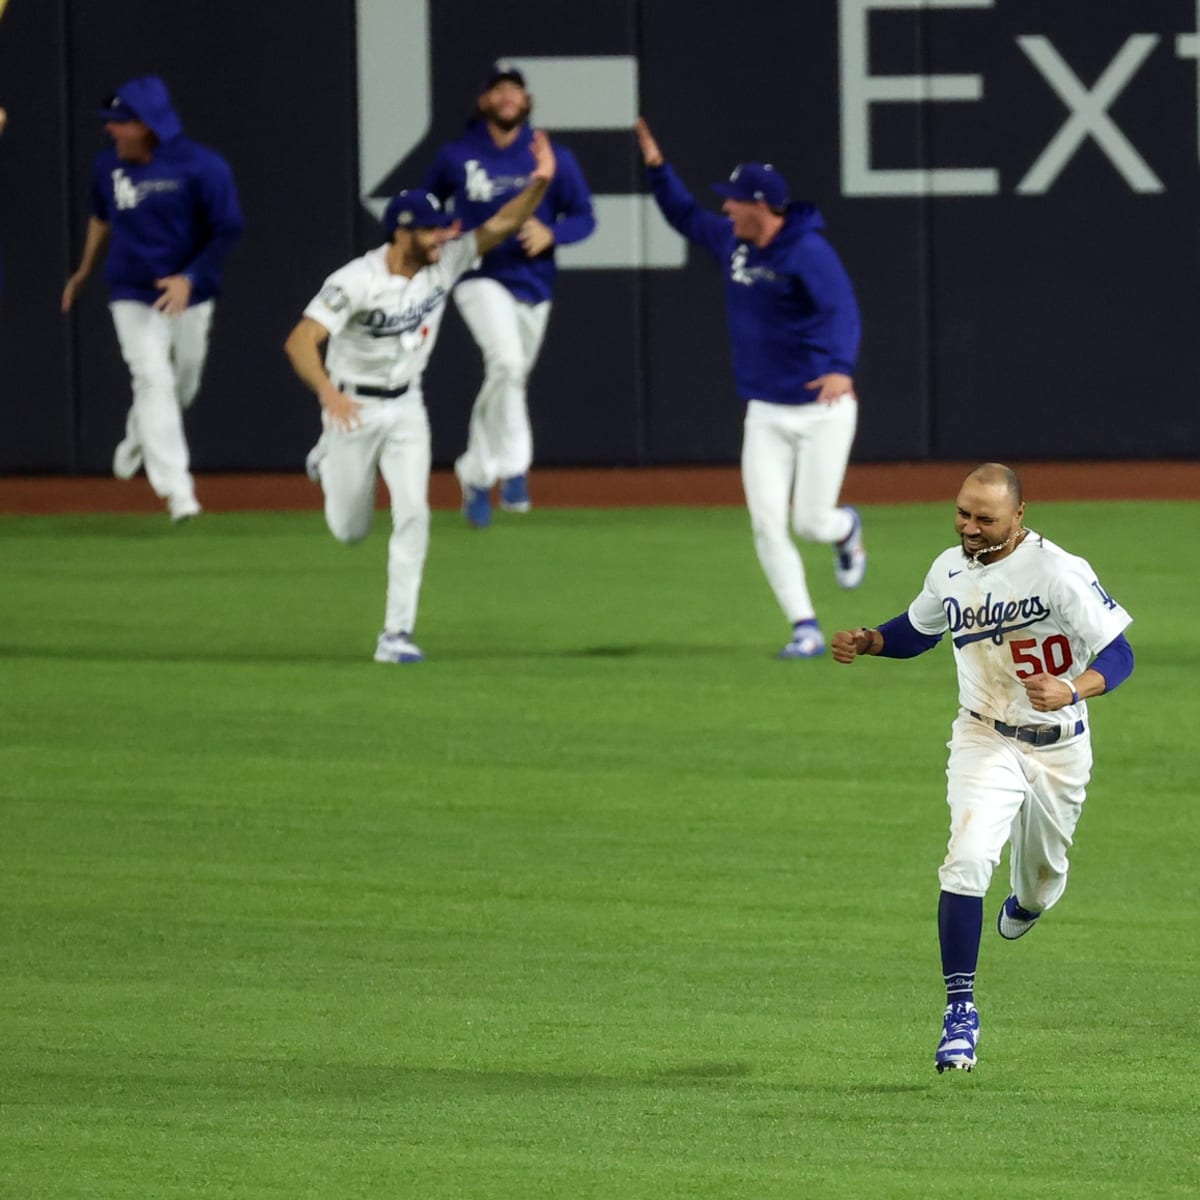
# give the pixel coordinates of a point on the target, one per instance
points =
(397, 648)
(183, 508)
(849, 556)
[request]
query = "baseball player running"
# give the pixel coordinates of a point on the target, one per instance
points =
(380, 315)
(170, 211)
(794, 325)
(1026, 619)
(505, 302)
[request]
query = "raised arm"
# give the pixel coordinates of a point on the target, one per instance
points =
(676, 203)
(507, 220)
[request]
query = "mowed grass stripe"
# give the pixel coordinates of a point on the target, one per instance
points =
(600, 901)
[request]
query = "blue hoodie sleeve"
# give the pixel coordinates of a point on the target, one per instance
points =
(218, 200)
(684, 215)
(816, 264)
(572, 201)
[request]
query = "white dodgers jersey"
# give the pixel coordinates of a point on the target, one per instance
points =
(382, 327)
(1037, 610)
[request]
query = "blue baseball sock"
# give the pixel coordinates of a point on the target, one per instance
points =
(960, 924)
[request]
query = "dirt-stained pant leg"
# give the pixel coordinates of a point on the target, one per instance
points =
(1002, 790)
(985, 789)
(1045, 827)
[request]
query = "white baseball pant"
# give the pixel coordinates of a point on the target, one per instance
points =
(165, 356)
(393, 440)
(1001, 790)
(509, 332)
(794, 459)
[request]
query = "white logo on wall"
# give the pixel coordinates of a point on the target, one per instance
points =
(1089, 118)
(581, 92)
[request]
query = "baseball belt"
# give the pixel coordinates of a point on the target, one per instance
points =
(1034, 735)
(375, 393)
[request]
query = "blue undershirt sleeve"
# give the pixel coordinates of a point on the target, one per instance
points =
(902, 640)
(1114, 662)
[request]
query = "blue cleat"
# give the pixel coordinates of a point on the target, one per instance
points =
(960, 1036)
(514, 494)
(807, 642)
(1013, 921)
(477, 506)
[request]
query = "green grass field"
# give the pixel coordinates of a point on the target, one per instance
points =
(600, 901)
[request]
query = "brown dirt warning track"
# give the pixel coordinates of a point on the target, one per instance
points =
(887, 483)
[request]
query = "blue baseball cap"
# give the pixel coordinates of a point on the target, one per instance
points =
(415, 209)
(755, 181)
(117, 109)
(500, 70)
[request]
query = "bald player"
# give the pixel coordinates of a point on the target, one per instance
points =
(1035, 636)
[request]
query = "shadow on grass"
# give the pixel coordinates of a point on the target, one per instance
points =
(455, 656)
(160, 1080)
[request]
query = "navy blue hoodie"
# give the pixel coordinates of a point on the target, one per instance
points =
(790, 306)
(475, 178)
(175, 215)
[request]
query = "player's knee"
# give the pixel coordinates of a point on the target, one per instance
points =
(966, 874)
(348, 529)
(506, 369)
(187, 385)
(769, 533)
(815, 527)
(151, 377)
(410, 531)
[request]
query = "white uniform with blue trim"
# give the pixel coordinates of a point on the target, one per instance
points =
(382, 329)
(1015, 772)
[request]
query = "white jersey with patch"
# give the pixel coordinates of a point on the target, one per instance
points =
(1038, 609)
(382, 327)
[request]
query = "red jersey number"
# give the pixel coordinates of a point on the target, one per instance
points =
(1055, 657)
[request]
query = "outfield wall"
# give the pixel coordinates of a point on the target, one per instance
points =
(1012, 184)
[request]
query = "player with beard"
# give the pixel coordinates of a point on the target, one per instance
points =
(380, 315)
(1035, 637)
(505, 302)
